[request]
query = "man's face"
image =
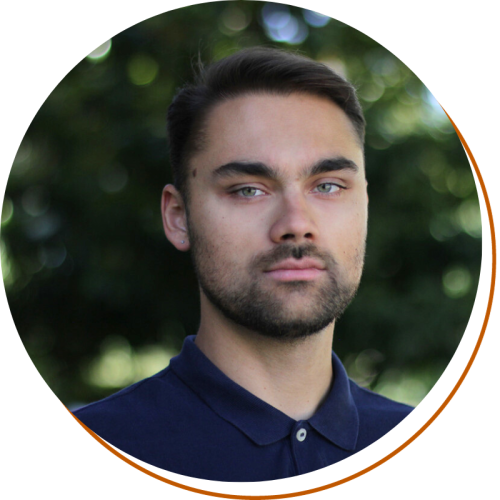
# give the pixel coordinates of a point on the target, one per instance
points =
(278, 213)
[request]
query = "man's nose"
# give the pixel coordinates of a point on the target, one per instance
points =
(294, 221)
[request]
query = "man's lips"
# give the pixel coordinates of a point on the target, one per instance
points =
(305, 269)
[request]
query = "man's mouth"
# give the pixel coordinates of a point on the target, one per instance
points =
(306, 269)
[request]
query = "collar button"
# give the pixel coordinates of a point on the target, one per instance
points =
(301, 435)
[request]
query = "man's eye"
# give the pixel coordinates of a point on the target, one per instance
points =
(250, 192)
(327, 187)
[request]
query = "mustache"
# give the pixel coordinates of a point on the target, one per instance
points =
(286, 251)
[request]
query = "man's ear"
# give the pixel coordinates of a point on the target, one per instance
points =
(174, 217)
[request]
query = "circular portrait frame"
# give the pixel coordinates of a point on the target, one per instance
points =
(422, 419)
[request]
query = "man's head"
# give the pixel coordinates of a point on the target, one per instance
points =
(273, 164)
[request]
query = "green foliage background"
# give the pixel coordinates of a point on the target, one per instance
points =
(101, 299)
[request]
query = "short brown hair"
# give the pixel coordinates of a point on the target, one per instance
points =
(254, 70)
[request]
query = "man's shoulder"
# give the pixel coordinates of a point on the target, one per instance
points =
(377, 414)
(140, 402)
(372, 401)
(155, 420)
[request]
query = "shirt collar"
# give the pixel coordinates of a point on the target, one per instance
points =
(337, 419)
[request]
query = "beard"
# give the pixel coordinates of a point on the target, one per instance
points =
(244, 297)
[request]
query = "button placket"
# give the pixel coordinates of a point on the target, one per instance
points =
(300, 442)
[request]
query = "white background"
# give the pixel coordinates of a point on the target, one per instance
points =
(453, 48)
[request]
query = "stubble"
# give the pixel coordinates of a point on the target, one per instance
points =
(244, 296)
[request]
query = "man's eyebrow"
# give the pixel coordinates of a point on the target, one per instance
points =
(257, 169)
(331, 165)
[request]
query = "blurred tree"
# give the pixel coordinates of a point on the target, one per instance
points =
(101, 299)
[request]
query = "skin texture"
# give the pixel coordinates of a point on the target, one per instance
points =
(266, 326)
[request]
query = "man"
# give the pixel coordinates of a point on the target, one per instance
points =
(270, 197)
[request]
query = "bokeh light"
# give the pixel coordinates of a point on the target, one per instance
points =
(43, 227)
(52, 256)
(118, 364)
(233, 20)
(468, 215)
(35, 201)
(403, 386)
(142, 69)
(101, 53)
(282, 26)
(7, 268)
(364, 367)
(7, 210)
(457, 281)
(315, 19)
(113, 179)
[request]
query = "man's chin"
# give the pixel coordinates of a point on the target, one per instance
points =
(302, 319)
(293, 328)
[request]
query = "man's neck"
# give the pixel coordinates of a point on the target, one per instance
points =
(292, 376)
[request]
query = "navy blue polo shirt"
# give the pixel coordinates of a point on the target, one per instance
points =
(193, 420)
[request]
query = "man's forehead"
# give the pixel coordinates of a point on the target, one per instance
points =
(280, 109)
(277, 130)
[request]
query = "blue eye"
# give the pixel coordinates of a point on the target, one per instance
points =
(327, 188)
(250, 192)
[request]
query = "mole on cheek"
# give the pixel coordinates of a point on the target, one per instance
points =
(194, 173)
